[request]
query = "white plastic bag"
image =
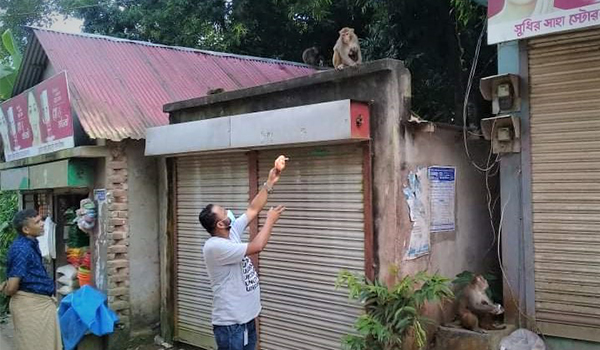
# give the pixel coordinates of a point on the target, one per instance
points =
(68, 270)
(64, 290)
(522, 339)
(66, 281)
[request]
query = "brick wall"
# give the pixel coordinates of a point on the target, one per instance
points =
(118, 232)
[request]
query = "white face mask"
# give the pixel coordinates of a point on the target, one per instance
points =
(231, 217)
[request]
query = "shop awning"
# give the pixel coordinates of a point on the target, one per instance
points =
(60, 174)
(328, 122)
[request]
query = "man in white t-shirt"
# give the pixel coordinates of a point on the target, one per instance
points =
(234, 282)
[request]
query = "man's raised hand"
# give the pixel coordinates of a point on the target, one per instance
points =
(274, 214)
(274, 175)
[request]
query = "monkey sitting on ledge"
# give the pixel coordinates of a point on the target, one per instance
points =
(475, 310)
(346, 51)
(312, 56)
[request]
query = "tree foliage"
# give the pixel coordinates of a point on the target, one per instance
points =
(269, 28)
(435, 38)
(9, 65)
(392, 314)
(8, 208)
(14, 14)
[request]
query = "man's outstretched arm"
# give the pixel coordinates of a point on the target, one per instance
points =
(260, 200)
(260, 241)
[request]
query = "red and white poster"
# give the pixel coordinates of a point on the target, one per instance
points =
(37, 121)
(520, 19)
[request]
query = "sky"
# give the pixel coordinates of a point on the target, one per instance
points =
(70, 25)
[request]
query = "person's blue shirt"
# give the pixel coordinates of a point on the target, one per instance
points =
(25, 262)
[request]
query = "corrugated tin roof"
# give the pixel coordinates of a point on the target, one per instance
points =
(118, 87)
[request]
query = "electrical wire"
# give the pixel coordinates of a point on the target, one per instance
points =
(487, 170)
(466, 101)
(510, 288)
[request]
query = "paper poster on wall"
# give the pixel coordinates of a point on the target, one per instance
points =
(416, 194)
(442, 193)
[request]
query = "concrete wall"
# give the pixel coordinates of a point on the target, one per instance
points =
(144, 290)
(397, 149)
(465, 248)
(385, 85)
(100, 242)
(470, 247)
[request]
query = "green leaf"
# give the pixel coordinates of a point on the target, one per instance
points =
(6, 86)
(10, 44)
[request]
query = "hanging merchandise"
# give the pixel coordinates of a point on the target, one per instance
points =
(43, 244)
(86, 215)
(84, 275)
(86, 260)
(76, 256)
(77, 238)
(47, 240)
(73, 256)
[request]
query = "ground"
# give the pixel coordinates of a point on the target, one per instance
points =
(6, 339)
(6, 334)
(148, 347)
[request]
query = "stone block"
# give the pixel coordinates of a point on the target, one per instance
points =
(119, 305)
(114, 249)
(453, 337)
(118, 207)
(117, 264)
(118, 291)
(117, 165)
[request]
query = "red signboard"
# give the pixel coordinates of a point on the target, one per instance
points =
(37, 121)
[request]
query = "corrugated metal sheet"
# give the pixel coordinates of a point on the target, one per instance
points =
(320, 233)
(565, 146)
(202, 180)
(118, 87)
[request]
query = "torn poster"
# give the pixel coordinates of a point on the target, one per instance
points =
(442, 182)
(416, 194)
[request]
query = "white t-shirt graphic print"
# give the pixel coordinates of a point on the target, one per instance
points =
(233, 279)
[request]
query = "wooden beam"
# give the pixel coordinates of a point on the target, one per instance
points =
(253, 186)
(171, 253)
(253, 191)
(368, 212)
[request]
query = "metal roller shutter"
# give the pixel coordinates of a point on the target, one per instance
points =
(565, 146)
(201, 180)
(321, 233)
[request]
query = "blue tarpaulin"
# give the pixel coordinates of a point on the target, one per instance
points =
(84, 311)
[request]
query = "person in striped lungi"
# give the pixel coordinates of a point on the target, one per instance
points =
(32, 307)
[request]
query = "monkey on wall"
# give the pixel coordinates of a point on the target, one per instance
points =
(346, 51)
(312, 56)
(475, 309)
